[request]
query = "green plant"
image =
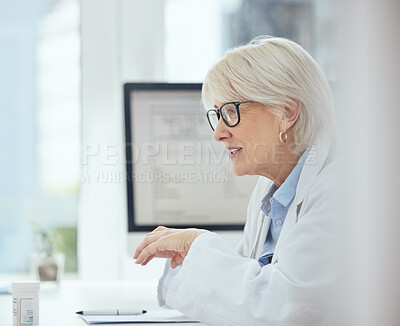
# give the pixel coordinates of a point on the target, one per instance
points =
(47, 241)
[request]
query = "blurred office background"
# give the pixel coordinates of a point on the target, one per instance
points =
(49, 46)
(62, 67)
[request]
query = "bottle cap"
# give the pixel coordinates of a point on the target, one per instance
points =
(25, 286)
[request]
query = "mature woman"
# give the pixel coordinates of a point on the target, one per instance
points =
(271, 106)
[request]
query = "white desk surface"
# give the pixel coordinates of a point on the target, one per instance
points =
(58, 304)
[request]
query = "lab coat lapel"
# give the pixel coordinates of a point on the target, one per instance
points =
(263, 224)
(316, 159)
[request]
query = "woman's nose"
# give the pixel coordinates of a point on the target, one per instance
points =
(221, 132)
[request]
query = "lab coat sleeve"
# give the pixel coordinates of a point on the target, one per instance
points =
(219, 287)
(243, 248)
(164, 282)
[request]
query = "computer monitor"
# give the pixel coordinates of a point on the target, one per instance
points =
(177, 174)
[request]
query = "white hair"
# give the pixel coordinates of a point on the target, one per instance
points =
(275, 72)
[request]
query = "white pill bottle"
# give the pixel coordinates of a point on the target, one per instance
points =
(25, 296)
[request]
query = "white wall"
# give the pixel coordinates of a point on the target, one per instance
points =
(100, 222)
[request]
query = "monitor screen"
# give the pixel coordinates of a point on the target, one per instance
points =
(177, 174)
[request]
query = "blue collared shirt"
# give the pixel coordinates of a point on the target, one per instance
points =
(276, 205)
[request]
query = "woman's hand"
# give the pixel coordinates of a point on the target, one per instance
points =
(166, 243)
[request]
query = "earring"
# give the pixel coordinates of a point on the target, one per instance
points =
(283, 137)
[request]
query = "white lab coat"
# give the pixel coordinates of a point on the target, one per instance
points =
(220, 286)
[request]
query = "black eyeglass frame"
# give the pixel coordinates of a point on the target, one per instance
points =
(219, 115)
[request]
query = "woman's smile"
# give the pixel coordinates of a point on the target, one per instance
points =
(234, 151)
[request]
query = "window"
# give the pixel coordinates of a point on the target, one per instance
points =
(195, 40)
(40, 128)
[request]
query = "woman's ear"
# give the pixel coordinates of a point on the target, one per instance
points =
(291, 113)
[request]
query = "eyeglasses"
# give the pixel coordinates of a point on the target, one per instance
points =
(229, 113)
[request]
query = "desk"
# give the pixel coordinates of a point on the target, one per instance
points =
(58, 304)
